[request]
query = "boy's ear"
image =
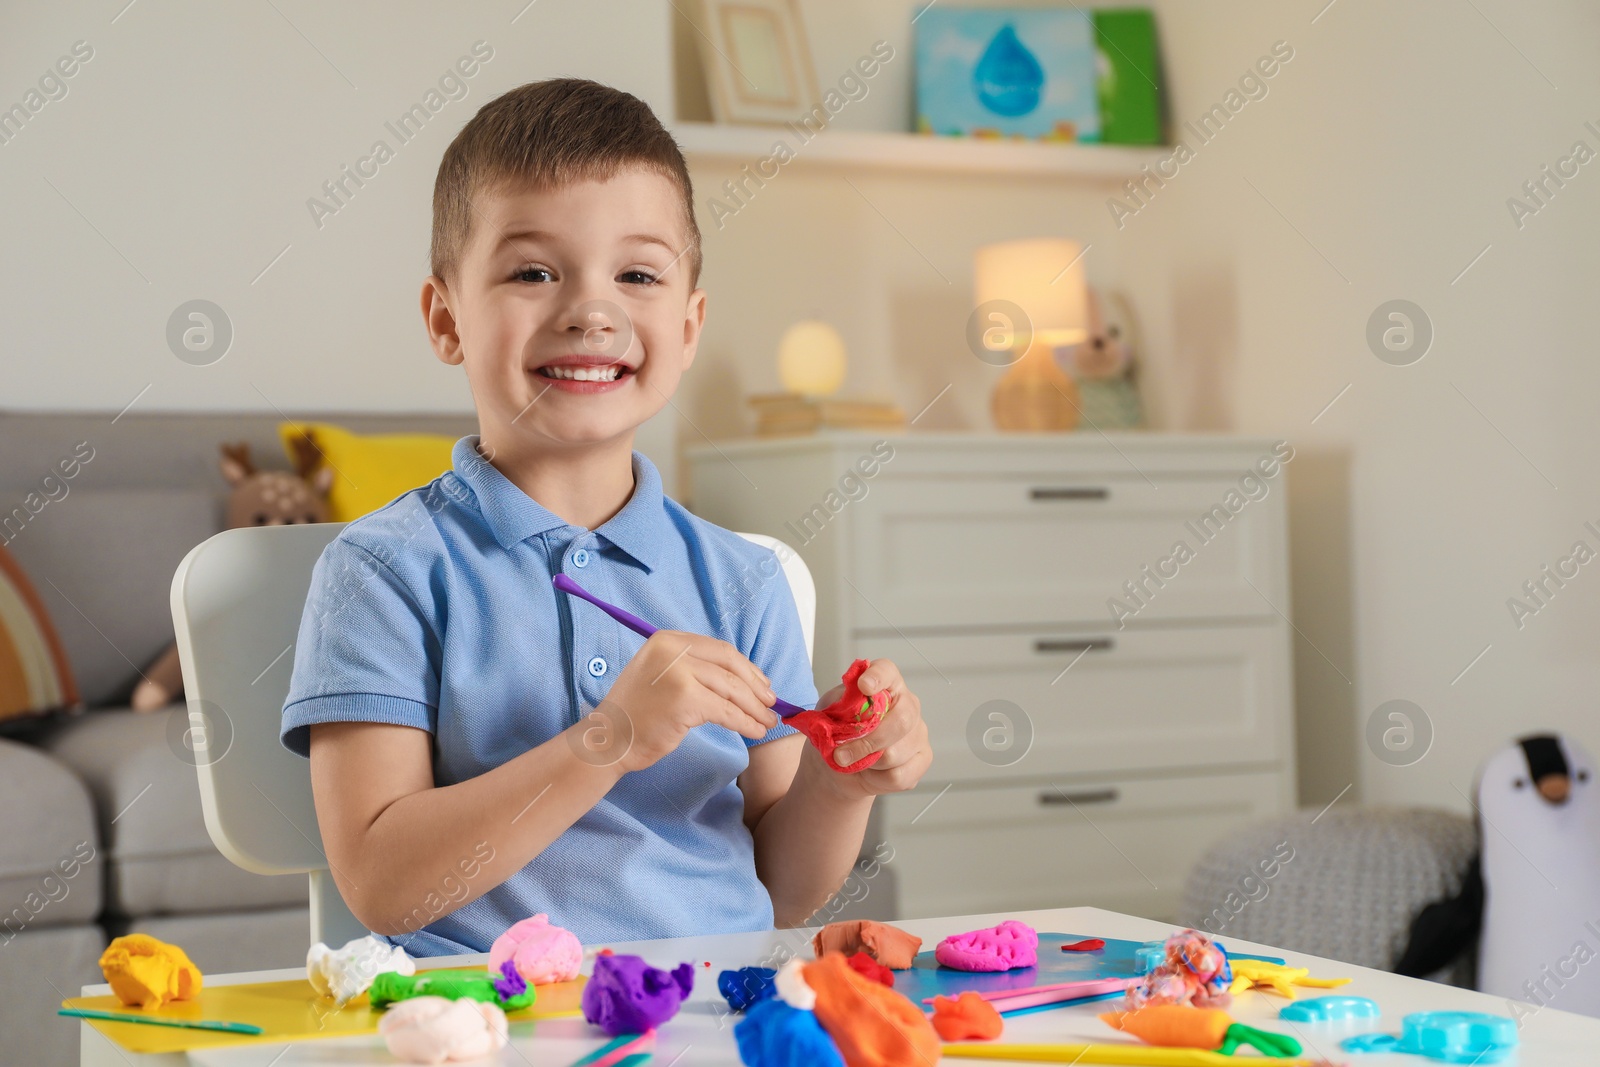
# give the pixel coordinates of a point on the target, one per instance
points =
(440, 321)
(694, 319)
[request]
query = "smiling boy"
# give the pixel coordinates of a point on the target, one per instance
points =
(483, 749)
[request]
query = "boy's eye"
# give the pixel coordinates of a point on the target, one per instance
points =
(523, 273)
(638, 277)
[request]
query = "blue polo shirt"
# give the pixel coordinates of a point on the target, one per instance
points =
(436, 611)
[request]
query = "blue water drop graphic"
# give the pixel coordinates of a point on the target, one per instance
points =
(1008, 78)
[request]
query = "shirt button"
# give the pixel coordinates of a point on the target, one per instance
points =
(597, 667)
(580, 558)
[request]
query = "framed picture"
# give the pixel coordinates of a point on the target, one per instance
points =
(757, 65)
(1007, 72)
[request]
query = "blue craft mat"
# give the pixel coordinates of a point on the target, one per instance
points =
(925, 978)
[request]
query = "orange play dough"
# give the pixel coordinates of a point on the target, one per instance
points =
(967, 1018)
(872, 1024)
(147, 973)
(1173, 1025)
(889, 945)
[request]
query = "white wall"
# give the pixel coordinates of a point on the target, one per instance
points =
(1389, 144)
(179, 166)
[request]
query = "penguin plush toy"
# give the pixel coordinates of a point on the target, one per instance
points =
(1532, 897)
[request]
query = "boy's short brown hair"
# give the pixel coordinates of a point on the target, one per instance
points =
(544, 135)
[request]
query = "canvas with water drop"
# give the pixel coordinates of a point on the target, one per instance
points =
(1007, 72)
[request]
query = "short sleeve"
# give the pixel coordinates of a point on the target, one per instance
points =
(367, 650)
(779, 649)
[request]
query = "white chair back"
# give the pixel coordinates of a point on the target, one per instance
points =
(237, 599)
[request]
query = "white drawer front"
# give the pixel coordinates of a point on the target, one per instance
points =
(1134, 700)
(1122, 845)
(967, 551)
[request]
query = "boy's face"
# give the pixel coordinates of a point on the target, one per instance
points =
(588, 281)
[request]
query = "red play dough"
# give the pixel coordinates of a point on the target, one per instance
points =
(849, 717)
(868, 967)
(1091, 944)
(967, 1018)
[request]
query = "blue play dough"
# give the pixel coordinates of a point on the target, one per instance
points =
(746, 986)
(1447, 1036)
(1008, 78)
(774, 1034)
(925, 978)
(1329, 1009)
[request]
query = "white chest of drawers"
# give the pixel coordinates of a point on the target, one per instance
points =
(1102, 702)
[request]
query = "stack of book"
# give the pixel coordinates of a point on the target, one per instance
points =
(792, 413)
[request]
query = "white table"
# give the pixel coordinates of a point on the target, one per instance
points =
(701, 1033)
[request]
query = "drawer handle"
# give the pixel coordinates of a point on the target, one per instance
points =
(1066, 492)
(1093, 796)
(1079, 644)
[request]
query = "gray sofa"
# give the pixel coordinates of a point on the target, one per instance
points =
(105, 794)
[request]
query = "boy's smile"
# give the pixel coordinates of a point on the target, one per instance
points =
(572, 314)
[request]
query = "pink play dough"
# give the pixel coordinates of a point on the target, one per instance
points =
(543, 953)
(436, 1030)
(1011, 944)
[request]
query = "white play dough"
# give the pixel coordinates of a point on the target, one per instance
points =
(346, 973)
(437, 1030)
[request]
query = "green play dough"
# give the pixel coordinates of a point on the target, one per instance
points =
(392, 986)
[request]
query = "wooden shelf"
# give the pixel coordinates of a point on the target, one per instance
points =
(859, 150)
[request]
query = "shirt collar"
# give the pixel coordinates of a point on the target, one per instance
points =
(513, 516)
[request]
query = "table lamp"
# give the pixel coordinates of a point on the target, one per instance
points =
(1032, 299)
(811, 359)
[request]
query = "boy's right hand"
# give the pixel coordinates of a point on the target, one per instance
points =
(676, 682)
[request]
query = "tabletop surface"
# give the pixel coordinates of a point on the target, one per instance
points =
(701, 1032)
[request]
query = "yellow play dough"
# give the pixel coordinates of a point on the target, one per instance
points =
(147, 973)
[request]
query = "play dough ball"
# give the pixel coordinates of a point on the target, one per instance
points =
(542, 952)
(437, 1030)
(999, 948)
(147, 973)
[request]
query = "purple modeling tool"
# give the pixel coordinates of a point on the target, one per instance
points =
(642, 628)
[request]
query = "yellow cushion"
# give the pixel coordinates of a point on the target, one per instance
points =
(371, 470)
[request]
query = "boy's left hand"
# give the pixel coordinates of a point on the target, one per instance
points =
(901, 735)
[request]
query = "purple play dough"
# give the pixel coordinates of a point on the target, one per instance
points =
(625, 995)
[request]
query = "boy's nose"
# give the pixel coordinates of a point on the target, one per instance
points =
(600, 327)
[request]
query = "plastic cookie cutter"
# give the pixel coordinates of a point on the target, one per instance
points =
(1329, 1009)
(1447, 1036)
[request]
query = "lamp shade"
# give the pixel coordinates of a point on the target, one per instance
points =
(1044, 277)
(811, 359)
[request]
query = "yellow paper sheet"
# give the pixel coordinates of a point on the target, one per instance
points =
(285, 1011)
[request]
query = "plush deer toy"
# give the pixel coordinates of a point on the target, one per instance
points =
(259, 498)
